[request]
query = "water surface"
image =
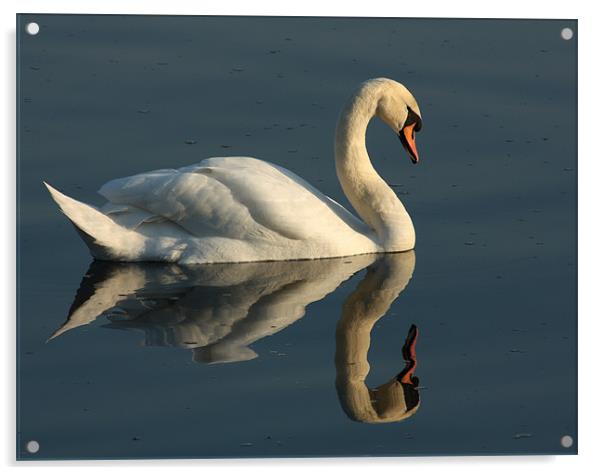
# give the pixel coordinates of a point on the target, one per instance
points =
(264, 360)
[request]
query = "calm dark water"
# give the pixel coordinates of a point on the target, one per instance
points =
(493, 277)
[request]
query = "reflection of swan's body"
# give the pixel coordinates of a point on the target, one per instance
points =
(217, 310)
(237, 209)
(398, 398)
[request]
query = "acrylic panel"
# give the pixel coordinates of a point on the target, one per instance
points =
(463, 344)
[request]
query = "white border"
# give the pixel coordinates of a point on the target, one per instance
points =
(589, 237)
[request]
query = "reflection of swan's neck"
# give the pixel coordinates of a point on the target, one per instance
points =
(363, 308)
(367, 192)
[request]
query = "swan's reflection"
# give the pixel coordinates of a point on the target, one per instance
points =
(219, 310)
(398, 398)
(216, 310)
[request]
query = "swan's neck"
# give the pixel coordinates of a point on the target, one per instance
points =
(367, 192)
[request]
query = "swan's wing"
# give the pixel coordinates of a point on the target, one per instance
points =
(235, 197)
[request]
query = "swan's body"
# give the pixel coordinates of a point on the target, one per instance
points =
(225, 209)
(240, 209)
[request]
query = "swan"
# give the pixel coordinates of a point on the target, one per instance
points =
(241, 209)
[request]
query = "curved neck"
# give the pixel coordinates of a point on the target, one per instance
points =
(368, 193)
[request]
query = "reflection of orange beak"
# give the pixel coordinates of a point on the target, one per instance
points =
(407, 137)
(409, 354)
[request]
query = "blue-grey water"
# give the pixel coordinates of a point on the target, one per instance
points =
(269, 361)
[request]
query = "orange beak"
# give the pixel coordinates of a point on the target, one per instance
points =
(407, 137)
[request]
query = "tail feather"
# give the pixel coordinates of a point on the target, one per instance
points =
(106, 239)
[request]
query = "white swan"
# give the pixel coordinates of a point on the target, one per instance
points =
(238, 209)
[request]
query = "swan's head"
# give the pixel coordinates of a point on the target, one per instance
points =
(398, 108)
